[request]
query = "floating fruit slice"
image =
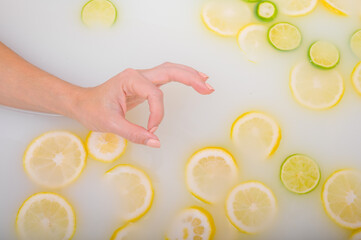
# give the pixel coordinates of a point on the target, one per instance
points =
(45, 216)
(316, 88)
(266, 11)
(297, 7)
(284, 36)
(251, 207)
(226, 17)
(341, 198)
(256, 131)
(355, 43)
(324, 54)
(356, 78)
(336, 6)
(209, 173)
(99, 13)
(55, 159)
(300, 174)
(192, 223)
(105, 147)
(356, 235)
(122, 232)
(135, 190)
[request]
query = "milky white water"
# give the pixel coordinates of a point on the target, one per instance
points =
(50, 35)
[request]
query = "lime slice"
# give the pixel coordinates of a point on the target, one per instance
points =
(300, 174)
(284, 36)
(266, 11)
(324, 54)
(356, 43)
(99, 13)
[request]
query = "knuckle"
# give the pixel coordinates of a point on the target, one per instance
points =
(137, 137)
(167, 64)
(130, 71)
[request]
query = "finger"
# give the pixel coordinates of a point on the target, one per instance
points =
(185, 67)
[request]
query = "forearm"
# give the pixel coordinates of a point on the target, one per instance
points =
(25, 86)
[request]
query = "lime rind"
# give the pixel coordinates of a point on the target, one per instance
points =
(356, 49)
(283, 49)
(266, 11)
(314, 61)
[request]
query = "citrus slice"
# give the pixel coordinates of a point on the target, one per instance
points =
(284, 36)
(135, 189)
(256, 131)
(253, 41)
(226, 17)
(99, 13)
(105, 147)
(356, 78)
(266, 11)
(316, 88)
(300, 174)
(55, 159)
(356, 235)
(122, 232)
(296, 8)
(209, 172)
(192, 223)
(45, 216)
(324, 54)
(341, 198)
(336, 6)
(355, 43)
(251, 207)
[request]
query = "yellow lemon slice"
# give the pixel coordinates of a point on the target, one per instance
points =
(55, 159)
(297, 7)
(355, 43)
(99, 13)
(356, 78)
(324, 54)
(105, 147)
(356, 235)
(257, 132)
(122, 232)
(192, 223)
(341, 198)
(209, 172)
(300, 174)
(226, 17)
(316, 88)
(135, 190)
(337, 6)
(251, 207)
(45, 216)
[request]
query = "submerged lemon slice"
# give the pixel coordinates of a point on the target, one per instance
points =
(356, 235)
(55, 159)
(297, 7)
(257, 132)
(122, 232)
(356, 78)
(209, 174)
(45, 216)
(284, 36)
(99, 13)
(316, 88)
(192, 223)
(341, 198)
(300, 174)
(135, 189)
(105, 147)
(355, 43)
(336, 6)
(226, 17)
(324, 54)
(251, 207)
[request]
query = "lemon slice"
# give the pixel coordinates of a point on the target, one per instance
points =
(55, 159)
(336, 6)
(300, 174)
(105, 147)
(99, 13)
(316, 88)
(226, 17)
(192, 223)
(296, 8)
(356, 78)
(257, 132)
(355, 43)
(356, 235)
(251, 207)
(341, 198)
(135, 189)
(122, 232)
(266, 11)
(209, 172)
(284, 36)
(324, 54)
(253, 41)
(45, 216)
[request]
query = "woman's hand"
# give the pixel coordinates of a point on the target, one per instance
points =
(103, 108)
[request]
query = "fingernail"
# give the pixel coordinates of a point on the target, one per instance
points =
(153, 130)
(203, 75)
(209, 87)
(153, 143)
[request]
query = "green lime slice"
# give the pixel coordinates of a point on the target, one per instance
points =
(266, 11)
(355, 43)
(300, 174)
(99, 13)
(284, 36)
(324, 54)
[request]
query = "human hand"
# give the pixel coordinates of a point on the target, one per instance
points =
(103, 108)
